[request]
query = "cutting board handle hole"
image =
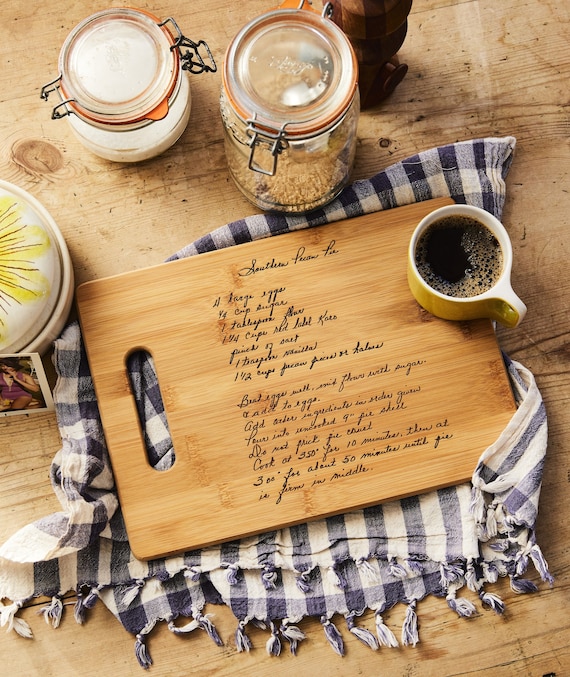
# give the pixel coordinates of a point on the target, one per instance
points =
(149, 403)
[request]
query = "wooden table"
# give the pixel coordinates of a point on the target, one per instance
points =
(476, 68)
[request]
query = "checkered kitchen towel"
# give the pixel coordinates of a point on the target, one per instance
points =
(398, 552)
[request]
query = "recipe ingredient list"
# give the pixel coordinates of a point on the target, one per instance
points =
(317, 408)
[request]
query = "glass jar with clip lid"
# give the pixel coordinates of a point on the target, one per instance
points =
(290, 108)
(121, 83)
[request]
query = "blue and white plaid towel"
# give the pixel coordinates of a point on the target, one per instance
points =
(398, 552)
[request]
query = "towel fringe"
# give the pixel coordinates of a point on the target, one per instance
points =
(243, 642)
(521, 563)
(273, 644)
(501, 545)
(232, 572)
(79, 609)
(481, 532)
(541, 564)
(472, 577)
(493, 601)
(410, 634)
(183, 629)
(415, 566)
(385, 636)
(463, 607)
(490, 572)
(364, 635)
(450, 572)
(141, 652)
(477, 507)
(302, 582)
(292, 634)
(85, 603)
(10, 620)
(336, 577)
(269, 577)
(491, 522)
(193, 573)
(333, 635)
(522, 586)
(206, 624)
(199, 622)
(53, 612)
(92, 596)
(367, 570)
(132, 592)
(396, 569)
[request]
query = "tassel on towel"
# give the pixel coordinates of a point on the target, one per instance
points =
(199, 622)
(193, 573)
(273, 644)
(333, 635)
(79, 609)
(141, 652)
(541, 564)
(293, 635)
(84, 603)
(367, 570)
(132, 592)
(522, 586)
(243, 642)
(302, 582)
(410, 633)
(206, 624)
(336, 577)
(269, 577)
(492, 601)
(53, 612)
(10, 620)
(232, 573)
(364, 635)
(385, 636)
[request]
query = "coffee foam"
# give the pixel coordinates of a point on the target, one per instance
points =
(481, 248)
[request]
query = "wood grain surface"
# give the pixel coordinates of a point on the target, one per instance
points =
(476, 68)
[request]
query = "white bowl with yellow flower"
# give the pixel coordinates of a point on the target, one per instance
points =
(36, 274)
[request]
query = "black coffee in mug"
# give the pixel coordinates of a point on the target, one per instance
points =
(459, 256)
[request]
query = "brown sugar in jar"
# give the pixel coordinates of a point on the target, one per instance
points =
(290, 108)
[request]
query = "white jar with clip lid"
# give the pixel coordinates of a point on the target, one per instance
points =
(121, 83)
(290, 107)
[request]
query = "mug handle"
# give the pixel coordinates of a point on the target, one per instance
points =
(509, 313)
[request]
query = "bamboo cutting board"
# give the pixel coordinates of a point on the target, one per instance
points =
(300, 379)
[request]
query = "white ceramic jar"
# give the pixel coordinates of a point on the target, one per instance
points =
(36, 274)
(122, 84)
(290, 107)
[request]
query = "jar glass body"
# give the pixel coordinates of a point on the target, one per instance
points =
(309, 172)
(290, 108)
(137, 141)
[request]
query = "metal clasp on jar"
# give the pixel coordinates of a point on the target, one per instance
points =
(272, 139)
(191, 59)
(62, 109)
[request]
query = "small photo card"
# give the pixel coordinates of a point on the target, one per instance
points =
(24, 386)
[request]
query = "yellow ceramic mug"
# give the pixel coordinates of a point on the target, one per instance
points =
(496, 300)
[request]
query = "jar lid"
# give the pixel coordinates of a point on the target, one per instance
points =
(117, 66)
(290, 67)
(36, 275)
